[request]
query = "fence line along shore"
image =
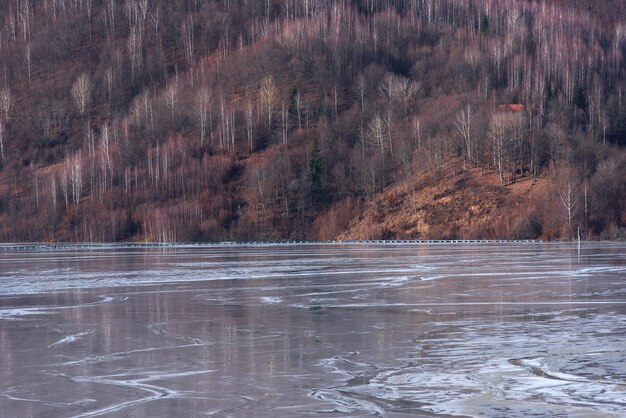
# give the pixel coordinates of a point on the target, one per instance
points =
(75, 246)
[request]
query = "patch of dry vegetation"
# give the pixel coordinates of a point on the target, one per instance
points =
(465, 204)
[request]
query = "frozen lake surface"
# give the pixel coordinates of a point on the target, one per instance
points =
(498, 330)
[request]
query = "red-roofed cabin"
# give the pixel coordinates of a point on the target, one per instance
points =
(511, 107)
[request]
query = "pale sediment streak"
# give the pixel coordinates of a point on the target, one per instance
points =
(122, 380)
(71, 338)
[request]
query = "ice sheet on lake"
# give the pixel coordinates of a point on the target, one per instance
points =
(467, 330)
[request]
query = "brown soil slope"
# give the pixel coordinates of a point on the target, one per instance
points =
(466, 204)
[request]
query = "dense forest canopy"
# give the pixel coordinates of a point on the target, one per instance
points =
(261, 120)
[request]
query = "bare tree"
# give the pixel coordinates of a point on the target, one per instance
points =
(394, 87)
(28, 60)
(249, 115)
(171, 98)
(188, 40)
(284, 119)
(90, 137)
(76, 177)
(361, 90)
(391, 87)
(136, 113)
(499, 135)
(6, 102)
(555, 138)
(105, 159)
(1, 139)
(416, 132)
(65, 178)
(143, 8)
(81, 93)
(497, 56)
(203, 102)
(472, 58)
(36, 181)
(131, 11)
(25, 16)
(53, 192)
(110, 16)
(133, 45)
(269, 97)
(376, 131)
(431, 156)
(155, 20)
(463, 124)
(145, 98)
(89, 9)
(109, 77)
(518, 127)
(298, 103)
(51, 8)
(388, 129)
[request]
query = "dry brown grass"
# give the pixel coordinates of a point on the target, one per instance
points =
(466, 204)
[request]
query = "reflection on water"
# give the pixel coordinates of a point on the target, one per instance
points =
(474, 330)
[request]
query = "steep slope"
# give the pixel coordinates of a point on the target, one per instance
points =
(468, 204)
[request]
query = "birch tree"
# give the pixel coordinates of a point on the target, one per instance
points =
(109, 78)
(498, 134)
(143, 9)
(52, 190)
(298, 103)
(376, 131)
(25, 16)
(65, 183)
(145, 98)
(155, 21)
(89, 9)
(133, 45)
(269, 97)
(110, 16)
(388, 129)
(81, 93)
(135, 112)
(472, 58)
(394, 87)
(76, 178)
(361, 90)
(284, 119)
(105, 159)
(6, 102)
(171, 98)
(463, 124)
(203, 101)
(28, 60)
(249, 116)
(1, 139)
(188, 44)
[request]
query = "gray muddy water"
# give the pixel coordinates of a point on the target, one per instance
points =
(499, 330)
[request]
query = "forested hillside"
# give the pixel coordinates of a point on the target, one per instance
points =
(212, 120)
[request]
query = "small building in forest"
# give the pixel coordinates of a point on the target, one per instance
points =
(513, 107)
